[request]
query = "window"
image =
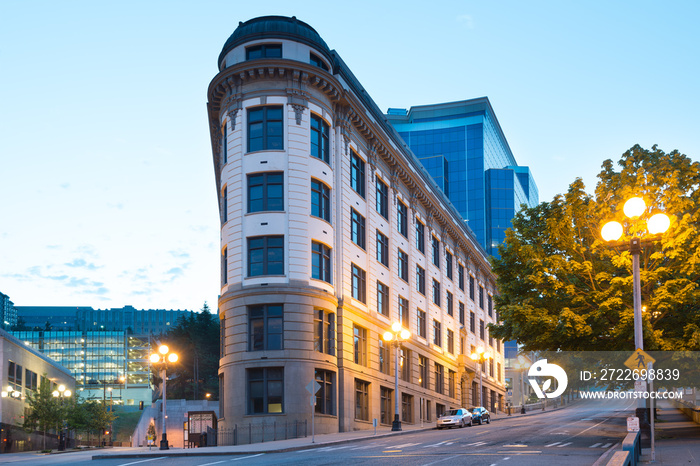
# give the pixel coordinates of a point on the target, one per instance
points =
(402, 219)
(265, 327)
(405, 364)
(382, 199)
(320, 200)
(472, 322)
(384, 357)
(422, 330)
(460, 276)
(450, 341)
(436, 292)
(406, 407)
(490, 341)
(357, 228)
(266, 192)
(359, 288)
(361, 400)
(382, 299)
(324, 332)
(437, 333)
(439, 378)
(265, 390)
(385, 416)
(357, 174)
(482, 330)
(222, 337)
(403, 265)
(224, 207)
(30, 380)
(265, 255)
(471, 287)
(382, 248)
(316, 61)
(498, 346)
(481, 296)
(436, 252)
(448, 264)
(320, 262)
(325, 396)
(265, 129)
(490, 305)
(420, 236)
(403, 312)
(263, 51)
(491, 372)
(461, 313)
(320, 147)
(427, 410)
(451, 383)
(450, 304)
(224, 142)
(498, 374)
(360, 344)
(423, 370)
(420, 279)
(224, 267)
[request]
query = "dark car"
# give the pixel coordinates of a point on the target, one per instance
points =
(480, 415)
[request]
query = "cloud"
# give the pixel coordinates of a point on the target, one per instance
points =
(82, 263)
(467, 20)
(175, 272)
(179, 254)
(65, 185)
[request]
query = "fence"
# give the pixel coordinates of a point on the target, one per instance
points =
(245, 434)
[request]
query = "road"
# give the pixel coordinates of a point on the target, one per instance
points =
(574, 436)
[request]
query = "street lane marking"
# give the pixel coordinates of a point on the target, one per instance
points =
(606, 445)
(216, 462)
(144, 461)
(436, 444)
(332, 448)
(476, 444)
(405, 445)
(595, 445)
(506, 458)
(564, 444)
(365, 447)
(246, 457)
(440, 461)
(552, 444)
(514, 446)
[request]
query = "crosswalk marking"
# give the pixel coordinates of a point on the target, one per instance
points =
(595, 445)
(564, 444)
(607, 445)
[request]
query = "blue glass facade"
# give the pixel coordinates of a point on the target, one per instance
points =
(463, 148)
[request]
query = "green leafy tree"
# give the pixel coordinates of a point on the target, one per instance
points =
(45, 411)
(195, 339)
(563, 288)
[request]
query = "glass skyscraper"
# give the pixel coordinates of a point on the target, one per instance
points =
(462, 146)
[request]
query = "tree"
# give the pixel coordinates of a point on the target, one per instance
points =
(195, 339)
(563, 288)
(45, 410)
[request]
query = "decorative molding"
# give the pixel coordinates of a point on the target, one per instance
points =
(394, 184)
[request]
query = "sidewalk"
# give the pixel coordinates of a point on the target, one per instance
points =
(677, 437)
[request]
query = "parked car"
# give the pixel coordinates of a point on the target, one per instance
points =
(454, 418)
(480, 415)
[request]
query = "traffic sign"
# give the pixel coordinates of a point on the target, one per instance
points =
(313, 387)
(633, 424)
(639, 360)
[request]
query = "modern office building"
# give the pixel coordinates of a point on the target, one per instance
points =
(8, 312)
(331, 230)
(22, 370)
(108, 366)
(463, 147)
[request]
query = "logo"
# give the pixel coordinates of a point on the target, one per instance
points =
(542, 369)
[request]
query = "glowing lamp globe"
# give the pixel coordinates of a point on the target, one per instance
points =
(658, 223)
(611, 231)
(405, 334)
(163, 349)
(396, 327)
(154, 358)
(388, 336)
(172, 357)
(634, 207)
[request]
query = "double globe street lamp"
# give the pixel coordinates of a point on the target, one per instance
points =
(162, 358)
(480, 356)
(62, 392)
(396, 336)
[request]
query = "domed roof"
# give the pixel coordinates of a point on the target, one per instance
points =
(278, 27)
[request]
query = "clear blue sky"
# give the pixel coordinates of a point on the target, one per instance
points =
(107, 193)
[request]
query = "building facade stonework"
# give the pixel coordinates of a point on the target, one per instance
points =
(331, 230)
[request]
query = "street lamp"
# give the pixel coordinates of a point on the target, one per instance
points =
(522, 364)
(480, 357)
(612, 231)
(396, 335)
(62, 392)
(163, 357)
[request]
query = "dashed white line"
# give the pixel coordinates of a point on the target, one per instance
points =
(564, 444)
(143, 461)
(365, 447)
(595, 445)
(405, 445)
(246, 457)
(607, 445)
(216, 462)
(476, 444)
(506, 458)
(552, 444)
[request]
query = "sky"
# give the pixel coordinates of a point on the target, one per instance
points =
(107, 189)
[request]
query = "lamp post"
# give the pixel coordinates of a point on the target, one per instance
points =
(521, 365)
(480, 357)
(62, 392)
(658, 223)
(396, 336)
(162, 357)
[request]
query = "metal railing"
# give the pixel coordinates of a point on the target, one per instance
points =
(244, 434)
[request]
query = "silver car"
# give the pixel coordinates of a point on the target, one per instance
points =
(455, 418)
